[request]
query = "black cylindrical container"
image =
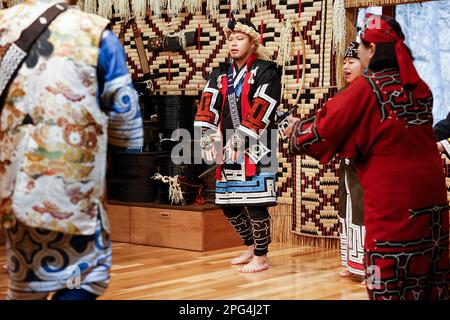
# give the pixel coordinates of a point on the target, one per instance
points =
(132, 172)
(148, 108)
(151, 135)
(175, 112)
(134, 164)
(136, 189)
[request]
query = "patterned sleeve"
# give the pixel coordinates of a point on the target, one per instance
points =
(117, 95)
(210, 103)
(264, 104)
(331, 129)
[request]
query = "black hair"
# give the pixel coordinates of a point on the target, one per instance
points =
(384, 56)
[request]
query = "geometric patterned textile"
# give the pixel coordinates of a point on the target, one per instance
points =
(310, 188)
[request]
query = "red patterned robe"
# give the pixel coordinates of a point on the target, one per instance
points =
(388, 130)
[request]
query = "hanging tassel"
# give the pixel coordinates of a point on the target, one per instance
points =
(193, 6)
(105, 8)
(339, 27)
(284, 50)
(250, 4)
(90, 6)
(236, 5)
(212, 8)
(80, 4)
(122, 8)
(156, 7)
(174, 7)
(14, 2)
(233, 5)
(285, 44)
(115, 4)
(139, 8)
(260, 4)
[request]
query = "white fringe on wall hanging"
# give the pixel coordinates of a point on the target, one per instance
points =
(122, 8)
(212, 8)
(139, 8)
(156, 7)
(105, 8)
(174, 7)
(339, 26)
(193, 6)
(90, 6)
(235, 5)
(11, 3)
(284, 49)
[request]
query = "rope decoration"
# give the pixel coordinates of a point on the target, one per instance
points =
(303, 44)
(284, 54)
(175, 191)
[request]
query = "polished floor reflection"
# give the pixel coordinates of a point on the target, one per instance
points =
(143, 272)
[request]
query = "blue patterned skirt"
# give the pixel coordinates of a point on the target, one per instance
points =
(234, 189)
(42, 261)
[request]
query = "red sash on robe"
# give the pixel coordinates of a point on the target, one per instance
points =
(250, 166)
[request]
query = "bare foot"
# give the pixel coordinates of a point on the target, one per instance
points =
(245, 257)
(363, 283)
(345, 273)
(5, 267)
(258, 263)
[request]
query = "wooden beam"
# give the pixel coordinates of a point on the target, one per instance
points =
(370, 3)
(389, 11)
(351, 15)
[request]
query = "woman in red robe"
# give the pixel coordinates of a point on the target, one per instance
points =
(383, 119)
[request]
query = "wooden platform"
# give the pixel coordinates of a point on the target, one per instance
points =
(198, 228)
(145, 272)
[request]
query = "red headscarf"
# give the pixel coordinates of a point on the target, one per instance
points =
(377, 30)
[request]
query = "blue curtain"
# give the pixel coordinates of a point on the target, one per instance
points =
(427, 31)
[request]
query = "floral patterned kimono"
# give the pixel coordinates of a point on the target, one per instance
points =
(70, 98)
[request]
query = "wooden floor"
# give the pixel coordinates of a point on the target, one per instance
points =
(143, 272)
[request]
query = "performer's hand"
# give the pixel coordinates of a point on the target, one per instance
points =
(234, 147)
(440, 147)
(209, 151)
(231, 154)
(288, 131)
